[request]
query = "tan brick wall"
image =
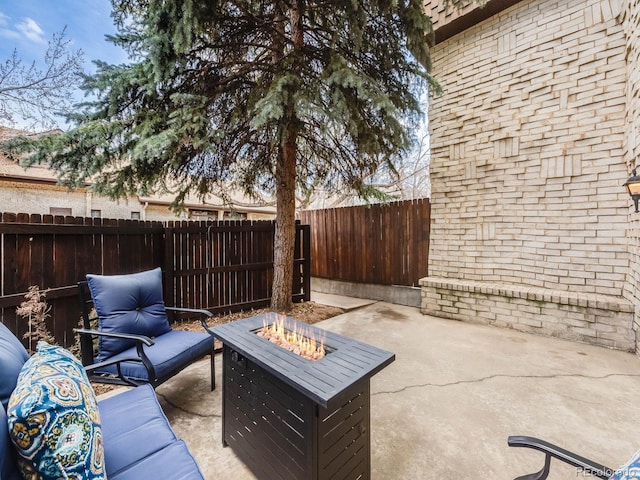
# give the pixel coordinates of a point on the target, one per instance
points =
(37, 198)
(584, 317)
(530, 144)
(528, 149)
(20, 197)
(632, 149)
(632, 30)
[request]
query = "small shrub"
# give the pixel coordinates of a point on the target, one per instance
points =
(36, 311)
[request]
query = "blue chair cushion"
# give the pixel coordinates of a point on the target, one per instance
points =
(170, 353)
(630, 470)
(12, 357)
(54, 420)
(128, 304)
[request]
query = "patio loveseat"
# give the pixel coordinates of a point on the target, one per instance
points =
(51, 422)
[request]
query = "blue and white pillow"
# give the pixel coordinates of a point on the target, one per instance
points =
(630, 470)
(54, 420)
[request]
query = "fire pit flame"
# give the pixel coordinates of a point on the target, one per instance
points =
(294, 339)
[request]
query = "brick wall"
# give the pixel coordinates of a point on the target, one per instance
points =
(632, 149)
(584, 317)
(528, 160)
(22, 197)
(38, 198)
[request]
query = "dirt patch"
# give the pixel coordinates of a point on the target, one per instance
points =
(307, 312)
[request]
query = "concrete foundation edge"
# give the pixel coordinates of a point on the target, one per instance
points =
(397, 294)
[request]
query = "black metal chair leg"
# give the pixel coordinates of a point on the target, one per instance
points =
(542, 474)
(213, 367)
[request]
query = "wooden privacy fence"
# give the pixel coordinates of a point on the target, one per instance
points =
(378, 244)
(220, 266)
(228, 264)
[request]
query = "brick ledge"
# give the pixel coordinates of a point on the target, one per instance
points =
(563, 297)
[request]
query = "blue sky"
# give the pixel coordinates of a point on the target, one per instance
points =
(27, 25)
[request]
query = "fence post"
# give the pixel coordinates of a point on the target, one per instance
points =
(306, 261)
(168, 266)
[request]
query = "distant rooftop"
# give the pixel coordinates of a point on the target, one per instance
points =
(12, 170)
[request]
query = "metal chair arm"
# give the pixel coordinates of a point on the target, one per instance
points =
(587, 467)
(140, 341)
(131, 336)
(204, 314)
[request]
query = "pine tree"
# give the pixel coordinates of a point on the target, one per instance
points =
(269, 96)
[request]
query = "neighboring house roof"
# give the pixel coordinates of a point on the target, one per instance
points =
(211, 202)
(12, 170)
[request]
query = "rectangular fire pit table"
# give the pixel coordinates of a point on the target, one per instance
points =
(287, 417)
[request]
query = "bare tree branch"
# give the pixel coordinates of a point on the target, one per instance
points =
(34, 96)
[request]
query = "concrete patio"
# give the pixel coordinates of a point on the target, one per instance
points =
(445, 407)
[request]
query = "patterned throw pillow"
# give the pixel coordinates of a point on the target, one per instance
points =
(54, 419)
(630, 470)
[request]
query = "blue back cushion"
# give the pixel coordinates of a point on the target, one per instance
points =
(12, 357)
(128, 304)
(8, 467)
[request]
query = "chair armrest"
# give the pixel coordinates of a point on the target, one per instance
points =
(106, 363)
(123, 379)
(139, 340)
(130, 336)
(204, 314)
(585, 466)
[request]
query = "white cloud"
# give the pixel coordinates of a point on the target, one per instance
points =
(11, 34)
(30, 29)
(4, 19)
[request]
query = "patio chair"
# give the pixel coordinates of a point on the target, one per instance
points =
(585, 467)
(135, 342)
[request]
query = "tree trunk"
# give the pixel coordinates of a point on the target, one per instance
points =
(285, 224)
(286, 185)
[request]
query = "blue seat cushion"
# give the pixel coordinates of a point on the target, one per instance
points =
(133, 416)
(170, 353)
(12, 357)
(53, 418)
(128, 304)
(174, 458)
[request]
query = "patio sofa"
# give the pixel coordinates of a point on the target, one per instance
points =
(51, 421)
